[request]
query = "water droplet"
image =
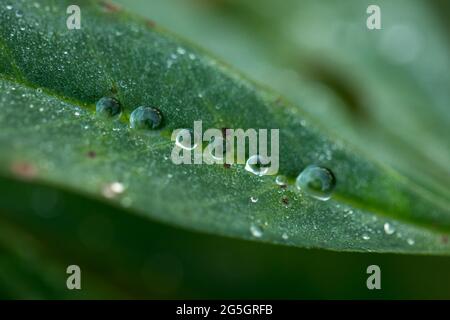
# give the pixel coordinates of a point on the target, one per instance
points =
(181, 50)
(388, 228)
(285, 236)
(316, 181)
(253, 199)
(257, 164)
(113, 189)
(9, 7)
(365, 237)
(281, 180)
(256, 230)
(185, 139)
(145, 118)
(19, 14)
(108, 107)
(410, 241)
(39, 90)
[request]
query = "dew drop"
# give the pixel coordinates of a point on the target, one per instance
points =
(19, 14)
(253, 199)
(285, 236)
(281, 180)
(316, 181)
(9, 7)
(181, 50)
(257, 164)
(410, 241)
(365, 237)
(388, 228)
(108, 107)
(113, 189)
(184, 139)
(256, 230)
(145, 118)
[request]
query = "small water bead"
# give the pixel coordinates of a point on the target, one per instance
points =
(285, 236)
(281, 181)
(258, 165)
(185, 139)
(9, 7)
(145, 118)
(410, 241)
(365, 237)
(253, 199)
(256, 230)
(19, 14)
(318, 182)
(388, 228)
(113, 189)
(108, 107)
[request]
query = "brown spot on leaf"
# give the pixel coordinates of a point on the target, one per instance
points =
(110, 7)
(24, 170)
(150, 23)
(91, 154)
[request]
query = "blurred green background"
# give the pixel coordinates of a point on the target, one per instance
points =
(158, 261)
(384, 91)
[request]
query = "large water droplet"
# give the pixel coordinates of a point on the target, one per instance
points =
(185, 139)
(256, 230)
(257, 164)
(108, 107)
(145, 118)
(388, 228)
(318, 182)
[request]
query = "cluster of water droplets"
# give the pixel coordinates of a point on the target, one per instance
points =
(143, 117)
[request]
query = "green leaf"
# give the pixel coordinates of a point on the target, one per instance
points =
(362, 85)
(51, 78)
